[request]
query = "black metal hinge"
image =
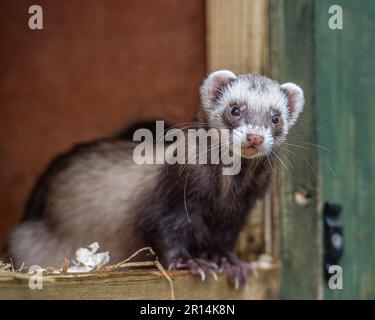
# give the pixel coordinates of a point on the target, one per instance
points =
(333, 236)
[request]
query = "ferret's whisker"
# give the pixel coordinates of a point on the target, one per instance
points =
(183, 126)
(286, 158)
(330, 168)
(315, 145)
(269, 163)
(186, 209)
(312, 144)
(304, 159)
(297, 146)
(280, 160)
(212, 147)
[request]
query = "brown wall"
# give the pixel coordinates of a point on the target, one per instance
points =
(95, 67)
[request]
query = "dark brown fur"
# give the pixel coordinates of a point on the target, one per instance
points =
(213, 217)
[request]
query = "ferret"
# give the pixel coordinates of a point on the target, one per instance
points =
(190, 215)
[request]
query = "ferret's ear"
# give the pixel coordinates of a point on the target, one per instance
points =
(295, 101)
(214, 83)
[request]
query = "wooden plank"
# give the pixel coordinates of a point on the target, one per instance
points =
(139, 285)
(237, 35)
(292, 60)
(345, 101)
(237, 39)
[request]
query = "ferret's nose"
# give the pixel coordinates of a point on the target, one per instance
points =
(255, 139)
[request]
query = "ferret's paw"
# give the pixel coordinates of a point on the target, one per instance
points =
(238, 272)
(200, 267)
(176, 264)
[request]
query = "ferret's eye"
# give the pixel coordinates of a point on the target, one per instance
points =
(275, 119)
(236, 111)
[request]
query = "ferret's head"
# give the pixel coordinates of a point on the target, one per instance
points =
(258, 111)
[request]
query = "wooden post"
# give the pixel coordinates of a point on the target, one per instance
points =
(237, 39)
(292, 60)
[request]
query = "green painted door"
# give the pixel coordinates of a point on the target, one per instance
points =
(345, 104)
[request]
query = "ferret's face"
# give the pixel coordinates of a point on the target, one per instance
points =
(257, 110)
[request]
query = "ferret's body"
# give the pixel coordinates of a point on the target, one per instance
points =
(98, 193)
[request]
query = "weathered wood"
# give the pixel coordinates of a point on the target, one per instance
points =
(139, 284)
(292, 60)
(345, 101)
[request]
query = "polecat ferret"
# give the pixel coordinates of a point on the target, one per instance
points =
(96, 192)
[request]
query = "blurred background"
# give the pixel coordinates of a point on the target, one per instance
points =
(98, 66)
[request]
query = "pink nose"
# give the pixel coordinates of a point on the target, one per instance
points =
(255, 139)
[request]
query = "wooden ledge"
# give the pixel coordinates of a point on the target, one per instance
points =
(138, 284)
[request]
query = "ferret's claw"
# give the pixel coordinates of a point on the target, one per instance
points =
(208, 264)
(202, 274)
(223, 264)
(196, 267)
(176, 264)
(214, 275)
(238, 272)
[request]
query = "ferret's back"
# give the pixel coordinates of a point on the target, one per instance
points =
(86, 195)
